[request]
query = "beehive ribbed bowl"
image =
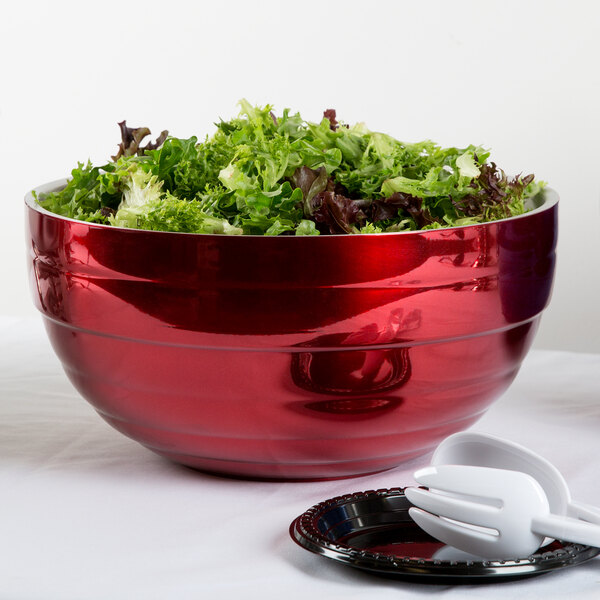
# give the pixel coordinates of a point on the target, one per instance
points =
(291, 357)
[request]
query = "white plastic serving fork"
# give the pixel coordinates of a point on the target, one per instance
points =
(493, 513)
(485, 450)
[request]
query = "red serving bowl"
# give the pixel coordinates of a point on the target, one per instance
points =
(291, 357)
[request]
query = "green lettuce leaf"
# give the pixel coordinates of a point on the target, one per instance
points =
(264, 174)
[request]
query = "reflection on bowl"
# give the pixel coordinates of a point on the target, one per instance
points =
(350, 372)
(291, 357)
(344, 410)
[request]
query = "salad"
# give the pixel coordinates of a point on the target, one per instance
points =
(263, 174)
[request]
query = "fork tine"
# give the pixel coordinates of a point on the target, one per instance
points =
(484, 482)
(450, 507)
(471, 541)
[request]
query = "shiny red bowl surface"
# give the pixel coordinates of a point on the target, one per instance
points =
(291, 357)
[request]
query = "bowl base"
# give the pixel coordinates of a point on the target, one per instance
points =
(291, 471)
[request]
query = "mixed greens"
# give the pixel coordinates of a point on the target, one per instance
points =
(267, 175)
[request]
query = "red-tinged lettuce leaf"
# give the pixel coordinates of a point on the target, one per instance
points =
(131, 139)
(330, 115)
(311, 183)
(337, 213)
(495, 194)
(382, 209)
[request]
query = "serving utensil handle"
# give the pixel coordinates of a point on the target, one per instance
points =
(585, 512)
(567, 529)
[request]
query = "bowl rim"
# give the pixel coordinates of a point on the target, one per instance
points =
(544, 200)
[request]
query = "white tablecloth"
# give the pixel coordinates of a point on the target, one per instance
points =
(86, 513)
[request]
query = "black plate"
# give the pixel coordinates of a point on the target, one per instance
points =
(373, 531)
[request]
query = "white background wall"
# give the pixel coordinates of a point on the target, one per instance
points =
(521, 77)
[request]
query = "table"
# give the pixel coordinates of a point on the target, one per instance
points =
(88, 514)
